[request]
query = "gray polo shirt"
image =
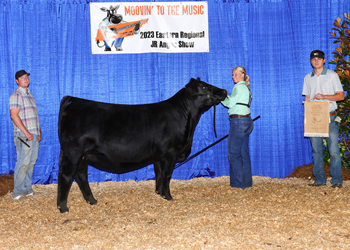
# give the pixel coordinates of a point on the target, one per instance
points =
(327, 83)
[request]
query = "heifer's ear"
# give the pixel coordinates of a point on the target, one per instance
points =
(192, 80)
(195, 80)
(104, 9)
(192, 85)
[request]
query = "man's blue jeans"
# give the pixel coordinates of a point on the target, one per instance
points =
(26, 159)
(238, 151)
(334, 152)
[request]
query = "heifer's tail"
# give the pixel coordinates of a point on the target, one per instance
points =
(64, 103)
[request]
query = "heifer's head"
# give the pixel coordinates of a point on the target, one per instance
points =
(112, 15)
(205, 95)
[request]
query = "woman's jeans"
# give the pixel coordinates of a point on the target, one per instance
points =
(26, 159)
(334, 152)
(238, 152)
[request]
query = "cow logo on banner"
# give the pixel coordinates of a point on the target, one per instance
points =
(143, 27)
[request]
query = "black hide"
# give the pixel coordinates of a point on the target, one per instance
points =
(121, 138)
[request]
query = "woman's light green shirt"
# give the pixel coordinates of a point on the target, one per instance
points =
(240, 94)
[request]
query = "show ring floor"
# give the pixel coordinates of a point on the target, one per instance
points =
(205, 214)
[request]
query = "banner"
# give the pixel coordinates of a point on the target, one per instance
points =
(316, 119)
(144, 27)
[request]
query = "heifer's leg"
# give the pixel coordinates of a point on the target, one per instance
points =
(65, 180)
(157, 171)
(164, 170)
(81, 178)
(166, 182)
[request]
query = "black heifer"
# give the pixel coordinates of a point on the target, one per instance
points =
(122, 138)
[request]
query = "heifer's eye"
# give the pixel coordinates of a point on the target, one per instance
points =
(204, 87)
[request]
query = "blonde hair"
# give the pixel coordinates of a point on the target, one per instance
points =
(246, 77)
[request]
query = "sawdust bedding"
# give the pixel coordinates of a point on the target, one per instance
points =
(205, 214)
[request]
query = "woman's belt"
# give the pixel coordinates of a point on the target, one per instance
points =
(232, 116)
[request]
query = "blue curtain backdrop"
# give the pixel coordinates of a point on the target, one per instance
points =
(272, 39)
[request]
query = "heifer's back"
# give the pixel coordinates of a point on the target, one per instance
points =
(127, 136)
(121, 138)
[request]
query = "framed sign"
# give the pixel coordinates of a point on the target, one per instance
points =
(144, 27)
(316, 119)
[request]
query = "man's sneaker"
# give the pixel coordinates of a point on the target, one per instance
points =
(30, 194)
(337, 185)
(315, 184)
(17, 197)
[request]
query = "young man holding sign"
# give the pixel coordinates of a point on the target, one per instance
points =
(324, 85)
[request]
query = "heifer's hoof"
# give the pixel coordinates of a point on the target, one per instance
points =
(92, 202)
(63, 210)
(164, 196)
(167, 197)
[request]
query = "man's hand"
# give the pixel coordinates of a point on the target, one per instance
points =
(29, 136)
(39, 137)
(339, 96)
(319, 96)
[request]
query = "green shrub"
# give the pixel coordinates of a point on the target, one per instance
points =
(341, 34)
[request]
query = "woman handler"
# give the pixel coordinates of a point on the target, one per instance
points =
(241, 125)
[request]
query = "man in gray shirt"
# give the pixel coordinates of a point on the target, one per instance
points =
(324, 85)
